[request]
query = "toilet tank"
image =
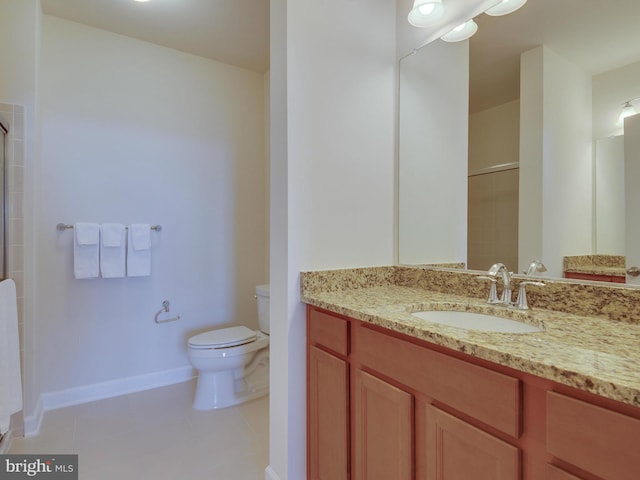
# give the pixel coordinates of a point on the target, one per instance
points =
(262, 294)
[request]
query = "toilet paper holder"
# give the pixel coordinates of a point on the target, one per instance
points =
(165, 309)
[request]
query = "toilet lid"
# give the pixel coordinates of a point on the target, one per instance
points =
(223, 338)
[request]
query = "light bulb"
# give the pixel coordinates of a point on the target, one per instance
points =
(425, 12)
(426, 9)
(628, 110)
(461, 32)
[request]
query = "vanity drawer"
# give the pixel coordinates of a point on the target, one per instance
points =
(329, 331)
(488, 396)
(593, 438)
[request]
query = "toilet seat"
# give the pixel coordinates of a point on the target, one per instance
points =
(223, 338)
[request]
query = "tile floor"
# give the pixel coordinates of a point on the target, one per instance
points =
(156, 434)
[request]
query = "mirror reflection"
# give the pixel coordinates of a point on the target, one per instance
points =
(529, 139)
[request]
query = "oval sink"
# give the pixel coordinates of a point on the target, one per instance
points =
(476, 321)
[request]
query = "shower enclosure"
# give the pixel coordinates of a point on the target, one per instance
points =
(4, 131)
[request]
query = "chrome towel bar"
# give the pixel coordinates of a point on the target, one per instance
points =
(65, 226)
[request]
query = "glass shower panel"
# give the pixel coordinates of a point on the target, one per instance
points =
(3, 204)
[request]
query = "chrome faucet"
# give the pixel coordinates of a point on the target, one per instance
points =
(499, 268)
(505, 299)
(535, 267)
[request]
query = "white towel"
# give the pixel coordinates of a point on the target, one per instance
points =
(139, 250)
(86, 254)
(112, 251)
(10, 383)
(141, 236)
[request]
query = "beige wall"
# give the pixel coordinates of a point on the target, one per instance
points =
(494, 139)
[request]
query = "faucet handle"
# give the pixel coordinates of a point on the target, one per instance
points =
(493, 290)
(521, 302)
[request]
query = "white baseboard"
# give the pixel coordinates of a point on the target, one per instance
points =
(269, 474)
(100, 391)
(32, 423)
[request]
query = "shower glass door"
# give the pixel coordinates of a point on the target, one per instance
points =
(3, 209)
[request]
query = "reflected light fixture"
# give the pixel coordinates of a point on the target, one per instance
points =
(461, 32)
(628, 110)
(425, 12)
(505, 7)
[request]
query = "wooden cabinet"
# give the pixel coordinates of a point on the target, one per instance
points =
(382, 405)
(329, 444)
(328, 404)
(370, 412)
(383, 429)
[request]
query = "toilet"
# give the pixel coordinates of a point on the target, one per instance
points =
(233, 362)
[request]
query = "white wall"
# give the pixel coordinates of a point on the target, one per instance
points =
(433, 148)
(610, 90)
(609, 196)
(133, 132)
(632, 195)
(282, 294)
(556, 171)
(332, 161)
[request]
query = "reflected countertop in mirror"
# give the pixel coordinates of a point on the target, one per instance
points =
(610, 265)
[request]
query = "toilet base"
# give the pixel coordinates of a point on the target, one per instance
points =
(222, 389)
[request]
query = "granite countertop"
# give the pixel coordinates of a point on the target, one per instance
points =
(591, 353)
(613, 265)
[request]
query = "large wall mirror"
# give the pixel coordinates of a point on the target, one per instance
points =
(511, 138)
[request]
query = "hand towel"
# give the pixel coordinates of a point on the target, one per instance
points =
(10, 378)
(86, 250)
(112, 251)
(141, 236)
(139, 250)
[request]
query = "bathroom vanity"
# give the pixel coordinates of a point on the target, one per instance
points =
(390, 396)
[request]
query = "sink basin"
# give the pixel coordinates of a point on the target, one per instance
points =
(476, 321)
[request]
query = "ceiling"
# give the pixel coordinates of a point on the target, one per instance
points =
(235, 32)
(596, 35)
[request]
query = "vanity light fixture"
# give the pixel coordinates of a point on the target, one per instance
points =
(505, 7)
(461, 32)
(425, 12)
(628, 110)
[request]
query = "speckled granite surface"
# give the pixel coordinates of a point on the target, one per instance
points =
(593, 347)
(595, 264)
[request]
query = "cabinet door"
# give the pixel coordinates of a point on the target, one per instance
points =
(383, 436)
(328, 420)
(594, 439)
(456, 450)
